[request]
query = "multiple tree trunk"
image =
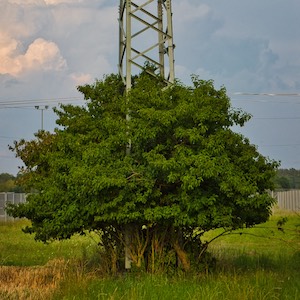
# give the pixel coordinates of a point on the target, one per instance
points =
(149, 248)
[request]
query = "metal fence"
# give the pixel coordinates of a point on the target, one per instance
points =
(288, 200)
(5, 198)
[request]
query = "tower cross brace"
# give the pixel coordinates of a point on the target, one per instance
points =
(146, 36)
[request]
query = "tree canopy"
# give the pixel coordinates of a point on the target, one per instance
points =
(8, 183)
(287, 179)
(187, 170)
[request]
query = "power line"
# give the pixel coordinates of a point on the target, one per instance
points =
(275, 118)
(292, 98)
(280, 145)
(42, 99)
(268, 94)
(267, 101)
(27, 102)
(18, 107)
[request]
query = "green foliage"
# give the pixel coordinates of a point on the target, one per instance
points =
(8, 183)
(6, 177)
(287, 179)
(186, 170)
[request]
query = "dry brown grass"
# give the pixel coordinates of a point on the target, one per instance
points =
(31, 283)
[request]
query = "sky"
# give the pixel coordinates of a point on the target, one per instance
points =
(252, 47)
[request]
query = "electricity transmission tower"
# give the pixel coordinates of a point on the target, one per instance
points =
(146, 36)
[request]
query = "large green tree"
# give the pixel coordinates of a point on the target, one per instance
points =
(186, 172)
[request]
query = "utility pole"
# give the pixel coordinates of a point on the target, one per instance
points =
(42, 108)
(145, 36)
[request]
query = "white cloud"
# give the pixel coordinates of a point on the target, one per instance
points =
(24, 19)
(82, 29)
(81, 78)
(7, 45)
(55, 2)
(43, 2)
(44, 55)
(27, 2)
(41, 55)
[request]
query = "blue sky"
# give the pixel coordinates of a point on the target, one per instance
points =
(48, 47)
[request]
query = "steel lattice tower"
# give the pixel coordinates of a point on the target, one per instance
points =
(146, 35)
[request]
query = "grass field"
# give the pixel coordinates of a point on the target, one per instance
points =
(256, 263)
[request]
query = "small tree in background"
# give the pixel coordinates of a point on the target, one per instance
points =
(187, 171)
(8, 183)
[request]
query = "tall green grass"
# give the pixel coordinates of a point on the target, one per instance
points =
(19, 249)
(255, 263)
(258, 284)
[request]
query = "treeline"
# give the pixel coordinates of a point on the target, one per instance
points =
(285, 179)
(8, 183)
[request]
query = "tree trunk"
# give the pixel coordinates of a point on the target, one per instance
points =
(182, 255)
(114, 260)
